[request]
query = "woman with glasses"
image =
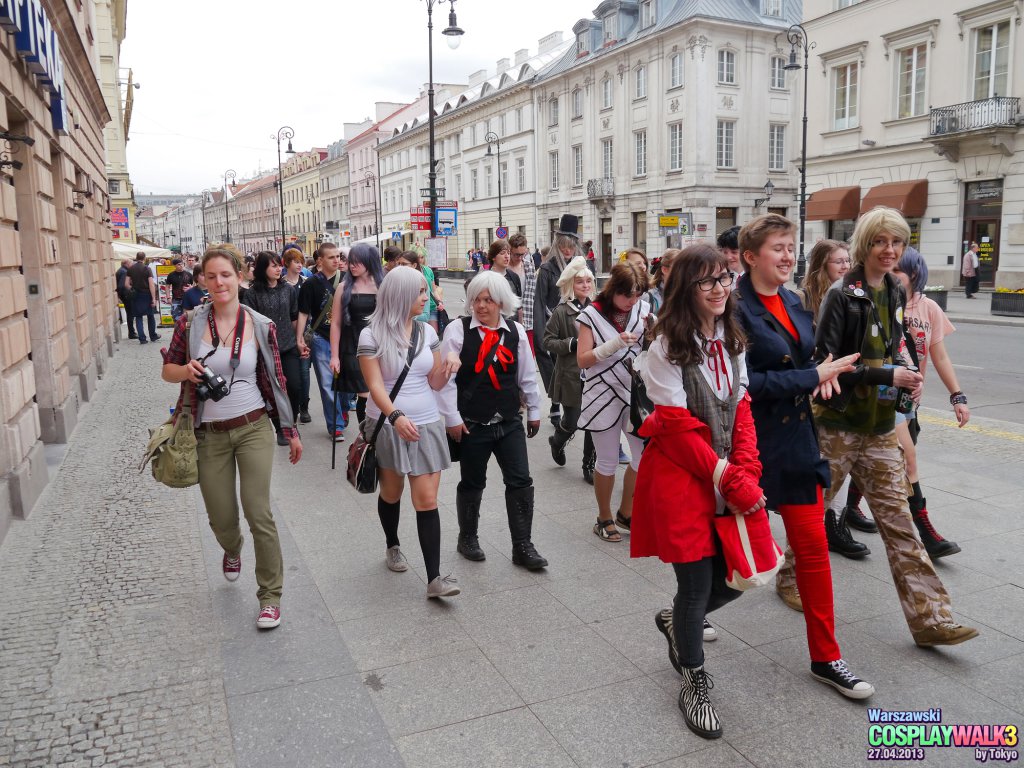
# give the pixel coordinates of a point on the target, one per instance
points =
(783, 377)
(700, 461)
(273, 298)
(857, 425)
(354, 302)
(828, 261)
(610, 333)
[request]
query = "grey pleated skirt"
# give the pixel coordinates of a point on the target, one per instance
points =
(427, 455)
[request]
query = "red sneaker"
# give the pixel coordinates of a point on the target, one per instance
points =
(232, 565)
(270, 617)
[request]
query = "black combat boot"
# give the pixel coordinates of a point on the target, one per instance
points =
(557, 442)
(839, 539)
(934, 544)
(589, 459)
(519, 505)
(467, 506)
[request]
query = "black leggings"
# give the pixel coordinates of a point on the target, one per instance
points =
(702, 589)
(291, 365)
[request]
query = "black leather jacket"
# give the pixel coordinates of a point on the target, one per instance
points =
(843, 323)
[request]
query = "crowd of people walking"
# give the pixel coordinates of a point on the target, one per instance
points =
(734, 394)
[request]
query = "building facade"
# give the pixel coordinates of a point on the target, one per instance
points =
(920, 109)
(57, 315)
(334, 195)
(302, 198)
(255, 215)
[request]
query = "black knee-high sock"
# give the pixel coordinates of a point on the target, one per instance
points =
(388, 514)
(428, 526)
(916, 498)
(361, 408)
(853, 496)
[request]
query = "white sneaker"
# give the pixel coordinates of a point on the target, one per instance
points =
(445, 586)
(710, 633)
(395, 559)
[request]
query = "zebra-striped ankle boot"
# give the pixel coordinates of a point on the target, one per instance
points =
(696, 706)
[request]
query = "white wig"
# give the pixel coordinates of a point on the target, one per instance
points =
(396, 295)
(576, 268)
(499, 289)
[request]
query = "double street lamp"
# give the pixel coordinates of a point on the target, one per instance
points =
(284, 132)
(228, 174)
(492, 138)
(454, 34)
(797, 36)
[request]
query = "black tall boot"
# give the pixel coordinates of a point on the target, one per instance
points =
(839, 539)
(557, 442)
(519, 505)
(589, 459)
(467, 506)
(934, 544)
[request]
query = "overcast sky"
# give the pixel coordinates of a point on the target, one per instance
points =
(219, 77)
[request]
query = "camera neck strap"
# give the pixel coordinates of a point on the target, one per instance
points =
(236, 346)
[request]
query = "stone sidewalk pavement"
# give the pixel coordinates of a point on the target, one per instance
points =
(122, 643)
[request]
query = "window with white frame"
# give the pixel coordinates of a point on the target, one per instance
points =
(640, 83)
(501, 125)
(609, 28)
(675, 70)
(607, 158)
(910, 83)
(521, 173)
(553, 169)
(675, 147)
(577, 103)
(457, 142)
(640, 153)
(844, 96)
(488, 181)
(606, 93)
(991, 60)
(771, 7)
(577, 165)
(581, 43)
(474, 177)
(519, 120)
(472, 135)
(778, 73)
(776, 147)
(725, 144)
(646, 13)
(553, 111)
(727, 67)
(504, 177)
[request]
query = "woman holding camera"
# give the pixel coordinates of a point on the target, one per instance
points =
(231, 352)
(857, 425)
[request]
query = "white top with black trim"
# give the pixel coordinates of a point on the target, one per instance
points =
(416, 398)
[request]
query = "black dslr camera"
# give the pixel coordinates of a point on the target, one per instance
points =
(212, 387)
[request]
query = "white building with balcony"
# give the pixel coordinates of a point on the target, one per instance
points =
(334, 195)
(918, 107)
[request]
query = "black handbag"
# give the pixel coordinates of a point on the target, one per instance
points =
(362, 470)
(640, 405)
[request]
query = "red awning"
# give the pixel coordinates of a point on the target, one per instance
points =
(908, 197)
(834, 204)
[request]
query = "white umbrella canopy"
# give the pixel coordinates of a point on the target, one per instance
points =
(125, 249)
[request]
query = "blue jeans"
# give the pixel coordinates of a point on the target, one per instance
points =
(321, 356)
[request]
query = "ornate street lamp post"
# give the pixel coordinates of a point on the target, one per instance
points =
(492, 138)
(370, 179)
(797, 35)
(228, 174)
(454, 34)
(284, 132)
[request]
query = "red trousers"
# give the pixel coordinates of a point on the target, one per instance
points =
(805, 530)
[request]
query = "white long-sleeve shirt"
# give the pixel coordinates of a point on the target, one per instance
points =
(664, 380)
(526, 371)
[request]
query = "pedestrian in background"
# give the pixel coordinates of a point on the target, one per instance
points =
(315, 302)
(499, 256)
(179, 280)
(144, 303)
(661, 268)
(196, 294)
(560, 339)
(521, 265)
(857, 426)
(234, 434)
(969, 269)
(278, 302)
(828, 261)
(610, 334)
(728, 243)
(482, 410)
(782, 379)
(295, 269)
(412, 441)
(123, 287)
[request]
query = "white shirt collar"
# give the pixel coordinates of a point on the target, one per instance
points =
(474, 323)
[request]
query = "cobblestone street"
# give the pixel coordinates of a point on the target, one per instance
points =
(122, 644)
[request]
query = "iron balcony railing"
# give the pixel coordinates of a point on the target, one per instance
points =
(972, 115)
(600, 188)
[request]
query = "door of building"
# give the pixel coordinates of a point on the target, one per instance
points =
(606, 245)
(984, 232)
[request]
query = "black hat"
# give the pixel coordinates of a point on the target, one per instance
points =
(568, 225)
(175, 260)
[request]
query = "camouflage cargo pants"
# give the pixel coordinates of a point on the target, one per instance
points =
(876, 464)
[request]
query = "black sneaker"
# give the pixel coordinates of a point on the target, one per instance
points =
(663, 621)
(304, 416)
(839, 676)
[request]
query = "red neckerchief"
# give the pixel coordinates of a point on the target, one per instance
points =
(716, 362)
(502, 354)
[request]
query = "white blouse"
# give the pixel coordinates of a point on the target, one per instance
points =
(664, 380)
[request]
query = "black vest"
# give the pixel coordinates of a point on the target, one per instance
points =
(478, 400)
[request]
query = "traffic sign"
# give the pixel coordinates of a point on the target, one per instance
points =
(501, 233)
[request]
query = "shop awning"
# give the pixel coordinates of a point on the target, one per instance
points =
(908, 197)
(834, 204)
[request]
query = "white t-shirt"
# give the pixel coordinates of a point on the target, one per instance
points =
(245, 394)
(416, 398)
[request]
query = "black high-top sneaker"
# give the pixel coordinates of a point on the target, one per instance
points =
(839, 676)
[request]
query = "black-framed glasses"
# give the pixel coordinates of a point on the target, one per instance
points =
(708, 283)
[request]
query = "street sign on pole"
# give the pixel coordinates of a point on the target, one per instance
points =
(447, 221)
(501, 233)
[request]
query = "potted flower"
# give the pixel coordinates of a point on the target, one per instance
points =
(938, 294)
(1008, 302)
